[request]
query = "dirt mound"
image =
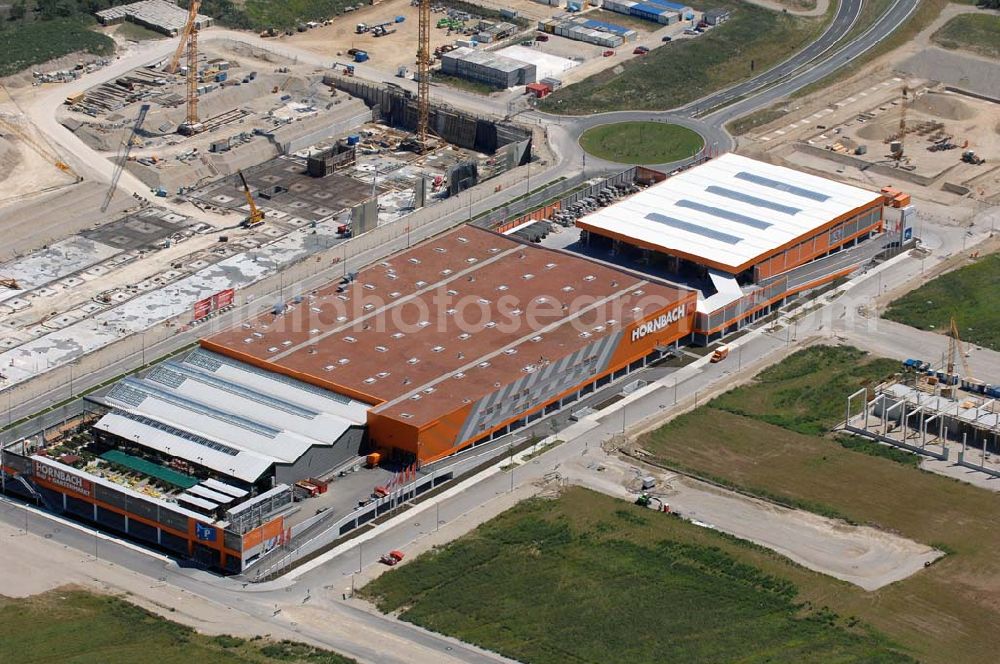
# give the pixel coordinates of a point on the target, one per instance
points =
(876, 130)
(947, 107)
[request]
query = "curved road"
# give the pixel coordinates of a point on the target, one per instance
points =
(380, 638)
(709, 115)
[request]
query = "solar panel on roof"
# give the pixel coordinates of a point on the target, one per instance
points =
(693, 228)
(782, 186)
(752, 200)
(243, 392)
(173, 431)
(205, 409)
(725, 214)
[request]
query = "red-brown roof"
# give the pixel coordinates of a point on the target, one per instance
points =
(446, 322)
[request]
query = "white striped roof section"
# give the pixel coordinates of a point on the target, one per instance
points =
(730, 211)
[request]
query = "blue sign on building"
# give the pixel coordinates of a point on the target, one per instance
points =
(204, 533)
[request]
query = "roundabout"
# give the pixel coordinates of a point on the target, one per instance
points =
(641, 142)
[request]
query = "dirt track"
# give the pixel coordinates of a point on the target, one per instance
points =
(864, 556)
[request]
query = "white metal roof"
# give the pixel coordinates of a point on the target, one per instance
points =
(239, 463)
(227, 416)
(729, 211)
(278, 386)
(222, 487)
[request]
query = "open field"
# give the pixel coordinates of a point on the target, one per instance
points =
(74, 625)
(946, 613)
(24, 45)
(977, 33)
(641, 142)
(805, 393)
(135, 32)
(589, 578)
(969, 294)
(684, 70)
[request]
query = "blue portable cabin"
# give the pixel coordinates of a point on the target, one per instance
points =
(650, 12)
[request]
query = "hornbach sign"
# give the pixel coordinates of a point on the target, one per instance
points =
(55, 476)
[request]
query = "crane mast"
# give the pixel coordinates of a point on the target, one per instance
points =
(189, 41)
(423, 72)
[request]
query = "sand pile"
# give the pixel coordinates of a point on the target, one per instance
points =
(943, 106)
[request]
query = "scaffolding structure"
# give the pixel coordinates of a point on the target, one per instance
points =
(926, 422)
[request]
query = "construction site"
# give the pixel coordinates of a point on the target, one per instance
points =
(253, 163)
(920, 118)
(932, 134)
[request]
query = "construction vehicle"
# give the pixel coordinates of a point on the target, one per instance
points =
(383, 30)
(970, 157)
(7, 282)
(346, 68)
(43, 150)
(646, 500)
(916, 365)
(721, 353)
(392, 558)
(189, 42)
(123, 152)
(22, 132)
(256, 215)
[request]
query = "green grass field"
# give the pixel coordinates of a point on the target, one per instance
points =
(67, 625)
(589, 578)
(641, 142)
(970, 294)
(806, 392)
(136, 32)
(28, 44)
(750, 438)
(684, 70)
(978, 33)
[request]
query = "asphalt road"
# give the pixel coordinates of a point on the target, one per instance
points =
(372, 637)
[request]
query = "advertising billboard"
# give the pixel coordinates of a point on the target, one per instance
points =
(268, 535)
(202, 308)
(214, 302)
(58, 478)
(223, 299)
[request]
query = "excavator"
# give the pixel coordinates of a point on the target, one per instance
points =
(256, 215)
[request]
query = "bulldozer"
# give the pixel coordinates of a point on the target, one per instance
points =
(970, 157)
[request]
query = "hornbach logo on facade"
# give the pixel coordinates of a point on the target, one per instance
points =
(61, 478)
(658, 323)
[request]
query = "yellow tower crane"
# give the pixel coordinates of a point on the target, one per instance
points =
(955, 348)
(901, 134)
(189, 41)
(423, 73)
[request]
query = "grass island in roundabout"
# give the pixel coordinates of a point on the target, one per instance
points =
(641, 142)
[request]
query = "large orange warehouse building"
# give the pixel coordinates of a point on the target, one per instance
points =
(465, 336)
(752, 232)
